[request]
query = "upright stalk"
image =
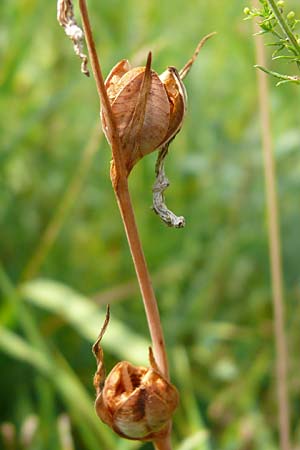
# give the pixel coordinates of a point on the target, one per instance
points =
(150, 303)
(120, 185)
(275, 253)
(284, 26)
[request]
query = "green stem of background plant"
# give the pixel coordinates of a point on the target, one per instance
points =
(284, 26)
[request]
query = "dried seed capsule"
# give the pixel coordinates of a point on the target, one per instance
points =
(136, 402)
(148, 111)
(148, 108)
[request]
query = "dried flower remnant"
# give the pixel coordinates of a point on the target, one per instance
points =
(160, 185)
(149, 110)
(162, 182)
(66, 18)
(136, 402)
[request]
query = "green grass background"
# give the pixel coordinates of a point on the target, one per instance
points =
(211, 278)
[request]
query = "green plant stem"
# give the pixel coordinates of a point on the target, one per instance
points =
(284, 78)
(284, 26)
(275, 254)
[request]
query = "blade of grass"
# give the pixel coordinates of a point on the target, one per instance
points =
(85, 317)
(68, 199)
(76, 398)
(17, 347)
(191, 420)
(36, 352)
(197, 441)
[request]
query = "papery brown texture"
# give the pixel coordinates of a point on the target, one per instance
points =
(148, 108)
(136, 402)
(178, 100)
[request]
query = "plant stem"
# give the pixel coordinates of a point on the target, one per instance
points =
(284, 26)
(150, 303)
(120, 185)
(120, 170)
(275, 254)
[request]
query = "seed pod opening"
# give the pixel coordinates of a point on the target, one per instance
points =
(136, 402)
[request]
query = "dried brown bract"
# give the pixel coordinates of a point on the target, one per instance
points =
(136, 402)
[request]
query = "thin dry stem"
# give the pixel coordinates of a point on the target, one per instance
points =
(120, 171)
(120, 184)
(144, 280)
(125, 205)
(275, 254)
(187, 67)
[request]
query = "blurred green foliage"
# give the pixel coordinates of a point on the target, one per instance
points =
(273, 19)
(211, 278)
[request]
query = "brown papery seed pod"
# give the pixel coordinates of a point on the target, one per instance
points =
(148, 108)
(136, 402)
